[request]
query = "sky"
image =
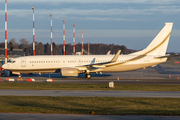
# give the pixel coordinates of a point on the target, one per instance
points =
(133, 23)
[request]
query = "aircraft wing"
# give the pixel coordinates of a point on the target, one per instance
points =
(98, 66)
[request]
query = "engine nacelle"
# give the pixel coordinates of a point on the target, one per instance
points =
(69, 72)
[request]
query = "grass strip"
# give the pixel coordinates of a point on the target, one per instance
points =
(85, 105)
(67, 86)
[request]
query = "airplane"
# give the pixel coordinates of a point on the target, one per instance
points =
(73, 65)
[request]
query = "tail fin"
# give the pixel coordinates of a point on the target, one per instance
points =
(159, 44)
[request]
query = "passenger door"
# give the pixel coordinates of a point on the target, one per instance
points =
(23, 62)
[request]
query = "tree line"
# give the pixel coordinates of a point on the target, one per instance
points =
(45, 49)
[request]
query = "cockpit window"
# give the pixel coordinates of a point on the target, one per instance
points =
(9, 61)
(13, 61)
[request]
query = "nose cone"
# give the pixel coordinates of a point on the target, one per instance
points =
(5, 66)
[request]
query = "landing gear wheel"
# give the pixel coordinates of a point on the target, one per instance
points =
(20, 78)
(88, 76)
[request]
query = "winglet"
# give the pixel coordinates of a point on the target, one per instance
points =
(108, 53)
(116, 56)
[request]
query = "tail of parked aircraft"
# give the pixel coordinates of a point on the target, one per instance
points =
(159, 44)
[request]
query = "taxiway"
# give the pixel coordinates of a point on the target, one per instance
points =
(30, 116)
(93, 93)
(161, 74)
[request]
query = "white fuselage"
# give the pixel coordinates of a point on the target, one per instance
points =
(47, 63)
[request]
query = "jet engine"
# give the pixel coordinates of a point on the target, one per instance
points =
(69, 72)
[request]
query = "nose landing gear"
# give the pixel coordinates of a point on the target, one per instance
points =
(20, 78)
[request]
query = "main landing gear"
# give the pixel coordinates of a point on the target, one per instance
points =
(20, 76)
(88, 76)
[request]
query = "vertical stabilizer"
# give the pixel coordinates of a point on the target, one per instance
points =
(159, 44)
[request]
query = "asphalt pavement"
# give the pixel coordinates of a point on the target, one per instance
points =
(94, 93)
(30, 116)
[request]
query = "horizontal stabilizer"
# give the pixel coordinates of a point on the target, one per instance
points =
(166, 56)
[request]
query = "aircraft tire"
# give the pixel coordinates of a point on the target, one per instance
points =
(88, 76)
